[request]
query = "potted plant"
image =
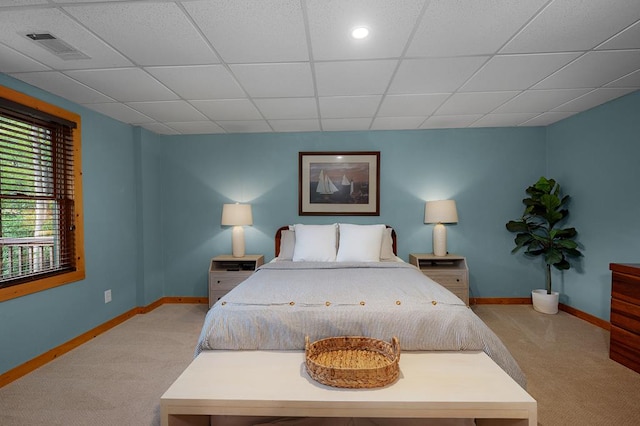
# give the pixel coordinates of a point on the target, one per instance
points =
(539, 234)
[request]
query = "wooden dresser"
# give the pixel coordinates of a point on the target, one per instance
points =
(624, 346)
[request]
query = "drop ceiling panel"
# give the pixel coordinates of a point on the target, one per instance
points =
(411, 105)
(61, 85)
(593, 98)
(259, 31)
(570, 25)
(434, 75)
(450, 121)
(452, 28)
(455, 63)
(16, 23)
(133, 27)
(311, 125)
(120, 112)
(349, 106)
(275, 80)
(166, 111)
(627, 39)
(245, 126)
(199, 82)
(345, 124)
(547, 118)
(21, 2)
(354, 77)
(228, 109)
(474, 103)
(594, 69)
(539, 100)
(630, 80)
(13, 61)
(397, 123)
(516, 72)
(331, 22)
(287, 108)
(503, 120)
(124, 84)
(159, 128)
(87, 1)
(196, 127)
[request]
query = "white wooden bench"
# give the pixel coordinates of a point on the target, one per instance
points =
(275, 383)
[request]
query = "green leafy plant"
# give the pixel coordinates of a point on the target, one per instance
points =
(538, 231)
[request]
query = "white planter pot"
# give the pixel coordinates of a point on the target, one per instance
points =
(545, 303)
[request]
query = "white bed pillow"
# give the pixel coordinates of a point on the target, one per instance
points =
(360, 243)
(287, 244)
(386, 247)
(315, 243)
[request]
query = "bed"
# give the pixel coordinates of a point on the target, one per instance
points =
(345, 279)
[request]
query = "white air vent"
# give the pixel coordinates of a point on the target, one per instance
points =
(56, 46)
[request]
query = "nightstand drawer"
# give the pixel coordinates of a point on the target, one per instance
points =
(228, 280)
(449, 271)
(214, 296)
(454, 283)
(226, 272)
(448, 280)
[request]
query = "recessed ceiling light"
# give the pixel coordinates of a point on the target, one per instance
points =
(360, 32)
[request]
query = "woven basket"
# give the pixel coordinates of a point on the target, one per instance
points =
(353, 361)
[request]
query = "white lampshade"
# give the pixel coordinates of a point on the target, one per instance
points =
(439, 212)
(237, 215)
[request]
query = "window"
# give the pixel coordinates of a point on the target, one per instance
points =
(40, 196)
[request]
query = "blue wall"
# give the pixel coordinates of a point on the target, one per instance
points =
(150, 266)
(152, 207)
(34, 324)
(596, 157)
(476, 167)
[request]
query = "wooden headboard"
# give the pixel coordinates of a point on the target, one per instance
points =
(286, 227)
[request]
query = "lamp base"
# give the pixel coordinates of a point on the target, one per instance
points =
(439, 240)
(237, 241)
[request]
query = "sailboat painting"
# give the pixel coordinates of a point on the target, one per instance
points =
(339, 183)
(325, 186)
(351, 187)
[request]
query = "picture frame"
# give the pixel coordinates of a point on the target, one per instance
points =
(339, 183)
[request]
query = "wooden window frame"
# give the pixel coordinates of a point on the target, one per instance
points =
(40, 284)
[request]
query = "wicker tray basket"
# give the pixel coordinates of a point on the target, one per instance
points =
(353, 361)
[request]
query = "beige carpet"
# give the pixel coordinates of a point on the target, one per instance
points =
(119, 377)
(115, 379)
(566, 361)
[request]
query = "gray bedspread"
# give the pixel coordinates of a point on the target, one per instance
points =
(275, 308)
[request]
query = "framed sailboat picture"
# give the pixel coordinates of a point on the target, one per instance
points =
(339, 183)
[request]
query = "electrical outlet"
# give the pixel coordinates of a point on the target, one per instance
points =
(107, 296)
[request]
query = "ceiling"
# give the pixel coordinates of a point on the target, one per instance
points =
(241, 66)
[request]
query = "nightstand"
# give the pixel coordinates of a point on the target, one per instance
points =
(226, 272)
(449, 271)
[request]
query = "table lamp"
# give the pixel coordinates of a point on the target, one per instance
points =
(237, 215)
(439, 212)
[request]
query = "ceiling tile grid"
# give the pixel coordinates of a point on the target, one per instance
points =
(252, 31)
(349, 106)
(234, 66)
(199, 82)
(390, 24)
(464, 28)
(147, 33)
